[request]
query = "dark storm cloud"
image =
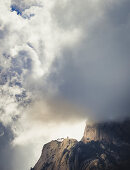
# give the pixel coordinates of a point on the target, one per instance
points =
(95, 74)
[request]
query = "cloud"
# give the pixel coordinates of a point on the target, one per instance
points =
(27, 50)
(55, 111)
(27, 53)
(61, 61)
(94, 74)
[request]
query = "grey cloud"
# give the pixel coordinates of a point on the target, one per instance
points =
(118, 13)
(5, 148)
(74, 14)
(55, 110)
(13, 157)
(23, 5)
(2, 34)
(95, 74)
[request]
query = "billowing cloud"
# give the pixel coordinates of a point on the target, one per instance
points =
(94, 74)
(61, 62)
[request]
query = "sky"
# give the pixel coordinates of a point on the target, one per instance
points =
(62, 63)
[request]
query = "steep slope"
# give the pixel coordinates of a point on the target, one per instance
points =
(104, 146)
(55, 155)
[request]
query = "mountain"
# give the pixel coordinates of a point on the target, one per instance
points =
(104, 146)
(111, 132)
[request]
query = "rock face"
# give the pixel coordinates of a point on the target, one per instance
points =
(104, 146)
(111, 132)
(55, 155)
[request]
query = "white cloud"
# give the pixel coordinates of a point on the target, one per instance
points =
(29, 46)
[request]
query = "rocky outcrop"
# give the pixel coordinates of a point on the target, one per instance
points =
(104, 146)
(55, 155)
(112, 132)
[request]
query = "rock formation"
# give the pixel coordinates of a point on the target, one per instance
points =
(104, 146)
(111, 132)
(55, 155)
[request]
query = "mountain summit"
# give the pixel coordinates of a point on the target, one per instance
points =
(111, 132)
(104, 146)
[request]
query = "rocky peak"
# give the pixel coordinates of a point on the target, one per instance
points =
(55, 155)
(104, 146)
(107, 131)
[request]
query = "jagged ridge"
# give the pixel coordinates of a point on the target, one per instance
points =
(104, 146)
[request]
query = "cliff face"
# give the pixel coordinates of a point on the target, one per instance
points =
(111, 132)
(104, 146)
(55, 155)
